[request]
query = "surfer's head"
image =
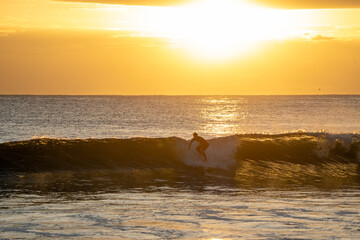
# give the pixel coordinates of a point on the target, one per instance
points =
(195, 134)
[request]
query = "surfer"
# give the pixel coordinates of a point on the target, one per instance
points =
(202, 146)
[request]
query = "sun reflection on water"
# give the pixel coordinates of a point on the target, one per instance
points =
(223, 115)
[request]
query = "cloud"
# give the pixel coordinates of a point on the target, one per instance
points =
(133, 2)
(322, 38)
(6, 32)
(289, 4)
(310, 4)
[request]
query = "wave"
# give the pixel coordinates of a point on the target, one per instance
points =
(228, 153)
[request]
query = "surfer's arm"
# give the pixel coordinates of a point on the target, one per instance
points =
(190, 143)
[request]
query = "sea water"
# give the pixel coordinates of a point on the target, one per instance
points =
(279, 167)
(25, 117)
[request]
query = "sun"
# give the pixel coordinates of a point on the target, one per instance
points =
(214, 29)
(218, 29)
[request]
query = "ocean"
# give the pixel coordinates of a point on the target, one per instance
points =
(118, 167)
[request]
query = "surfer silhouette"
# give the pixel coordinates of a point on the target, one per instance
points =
(202, 146)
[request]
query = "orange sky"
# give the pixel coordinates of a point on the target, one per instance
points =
(206, 47)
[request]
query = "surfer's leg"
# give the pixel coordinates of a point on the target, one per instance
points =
(205, 158)
(199, 149)
(203, 148)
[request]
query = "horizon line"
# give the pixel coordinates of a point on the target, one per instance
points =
(140, 95)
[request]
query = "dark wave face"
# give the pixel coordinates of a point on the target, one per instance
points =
(252, 160)
(60, 154)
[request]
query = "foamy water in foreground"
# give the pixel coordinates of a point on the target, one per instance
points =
(214, 212)
(260, 182)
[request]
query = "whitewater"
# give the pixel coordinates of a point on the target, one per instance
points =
(118, 167)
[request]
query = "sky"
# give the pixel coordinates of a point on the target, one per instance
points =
(176, 47)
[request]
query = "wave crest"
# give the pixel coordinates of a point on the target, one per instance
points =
(230, 152)
(300, 147)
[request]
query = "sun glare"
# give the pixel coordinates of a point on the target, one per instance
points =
(218, 29)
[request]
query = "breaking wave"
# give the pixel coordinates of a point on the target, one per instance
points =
(228, 153)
